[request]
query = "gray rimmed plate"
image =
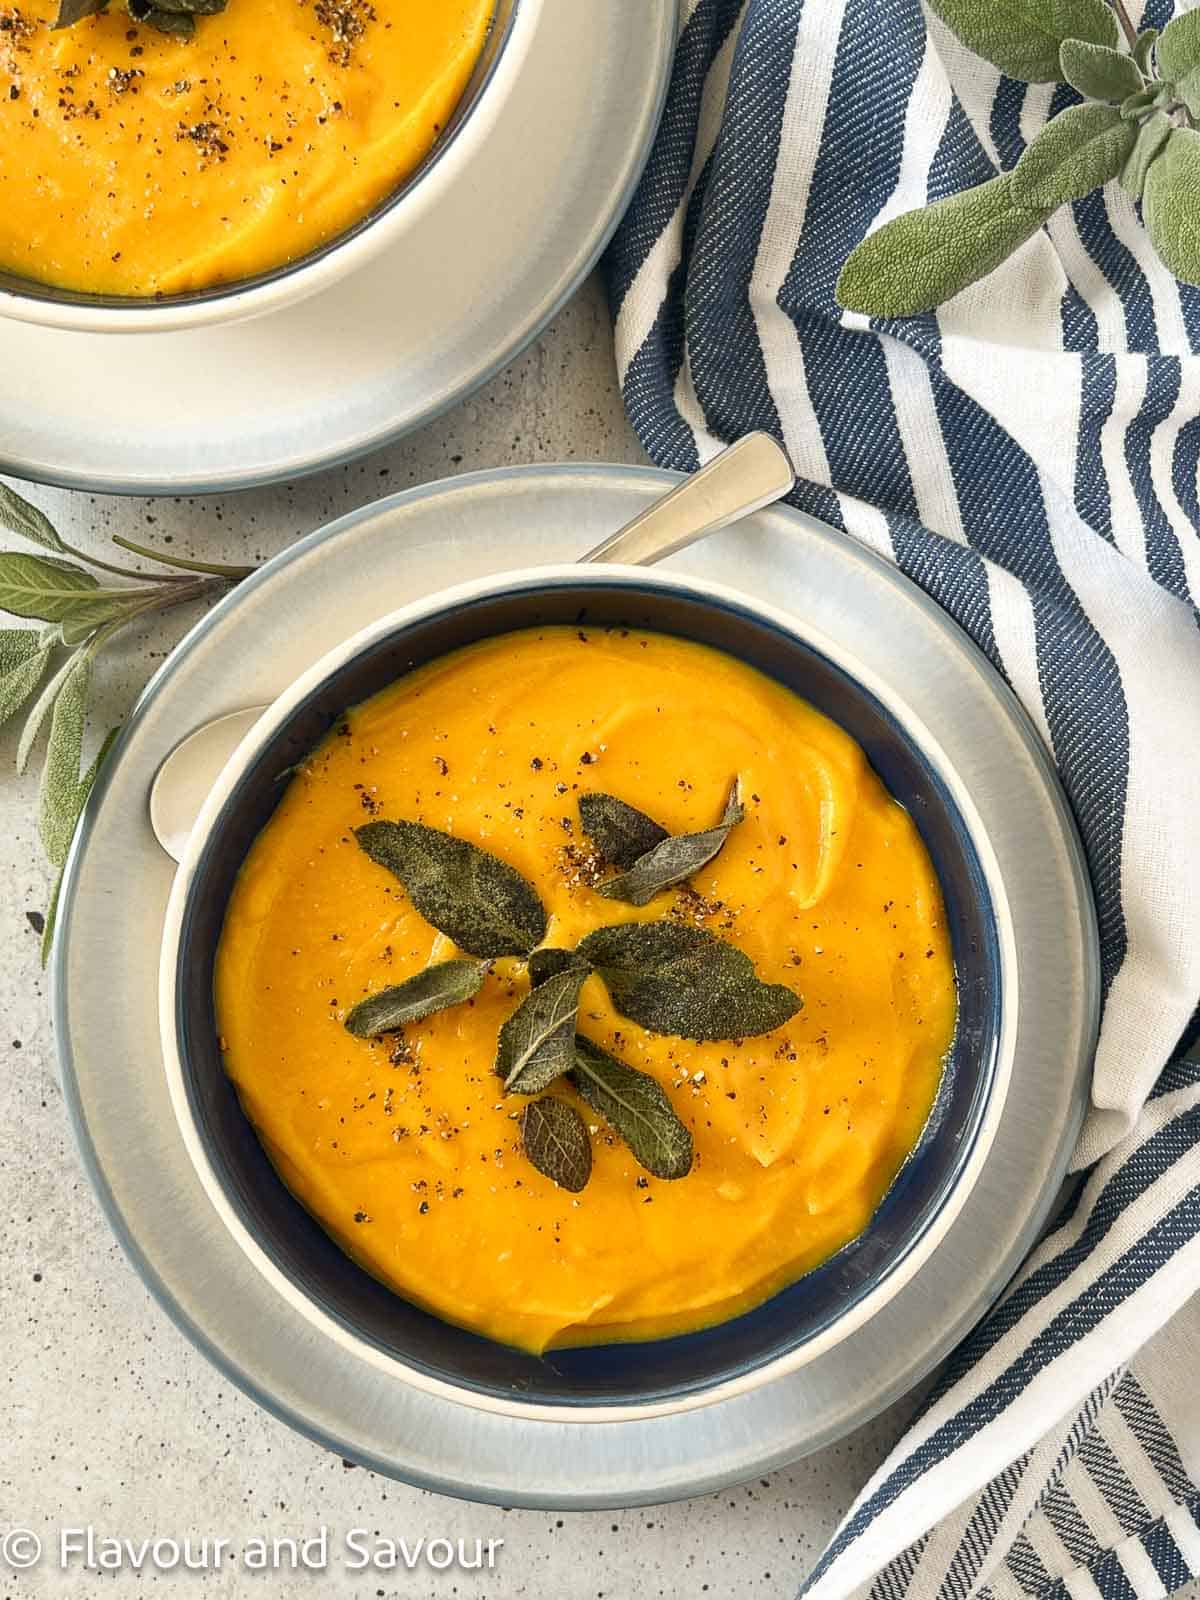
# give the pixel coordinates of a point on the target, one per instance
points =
(507, 224)
(249, 649)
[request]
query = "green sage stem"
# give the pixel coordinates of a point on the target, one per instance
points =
(104, 566)
(214, 568)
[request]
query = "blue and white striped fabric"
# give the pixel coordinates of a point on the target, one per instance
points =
(1029, 456)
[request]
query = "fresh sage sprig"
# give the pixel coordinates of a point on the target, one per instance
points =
(176, 17)
(52, 666)
(670, 978)
(1142, 101)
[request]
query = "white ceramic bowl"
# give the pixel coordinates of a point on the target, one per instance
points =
(497, 76)
(321, 1286)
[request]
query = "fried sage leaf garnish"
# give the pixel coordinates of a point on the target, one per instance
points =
(72, 11)
(182, 8)
(681, 980)
(468, 894)
(620, 832)
(634, 1105)
(167, 16)
(448, 983)
(556, 1142)
(549, 961)
(537, 1043)
(181, 23)
(675, 858)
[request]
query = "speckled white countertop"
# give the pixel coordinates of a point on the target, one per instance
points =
(108, 1416)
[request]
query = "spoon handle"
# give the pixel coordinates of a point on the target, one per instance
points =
(750, 474)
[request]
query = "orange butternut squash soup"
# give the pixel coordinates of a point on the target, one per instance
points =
(136, 162)
(587, 985)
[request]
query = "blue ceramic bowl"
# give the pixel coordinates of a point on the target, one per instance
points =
(598, 1380)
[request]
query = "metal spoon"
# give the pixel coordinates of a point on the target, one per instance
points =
(749, 475)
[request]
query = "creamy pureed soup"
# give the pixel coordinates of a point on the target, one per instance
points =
(136, 163)
(406, 1147)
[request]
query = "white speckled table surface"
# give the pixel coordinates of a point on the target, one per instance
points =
(108, 1416)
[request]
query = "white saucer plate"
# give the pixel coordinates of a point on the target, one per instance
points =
(506, 226)
(251, 648)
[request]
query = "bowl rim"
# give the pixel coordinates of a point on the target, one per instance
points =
(510, 27)
(516, 582)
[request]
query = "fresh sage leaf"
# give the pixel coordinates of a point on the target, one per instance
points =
(42, 586)
(677, 979)
(1178, 57)
(18, 515)
(53, 590)
(557, 1143)
(437, 988)
(1178, 48)
(537, 1043)
(620, 832)
(1171, 203)
(40, 709)
(63, 791)
(1098, 72)
(675, 858)
(548, 962)
(24, 653)
(86, 784)
(1153, 95)
(923, 258)
(1023, 37)
(51, 918)
(1187, 89)
(73, 633)
(634, 1105)
(102, 605)
(1152, 135)
(1081, 149)
(468, 894)
(1143, 50)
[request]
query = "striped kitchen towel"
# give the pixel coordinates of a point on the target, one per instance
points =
(1029, 456)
